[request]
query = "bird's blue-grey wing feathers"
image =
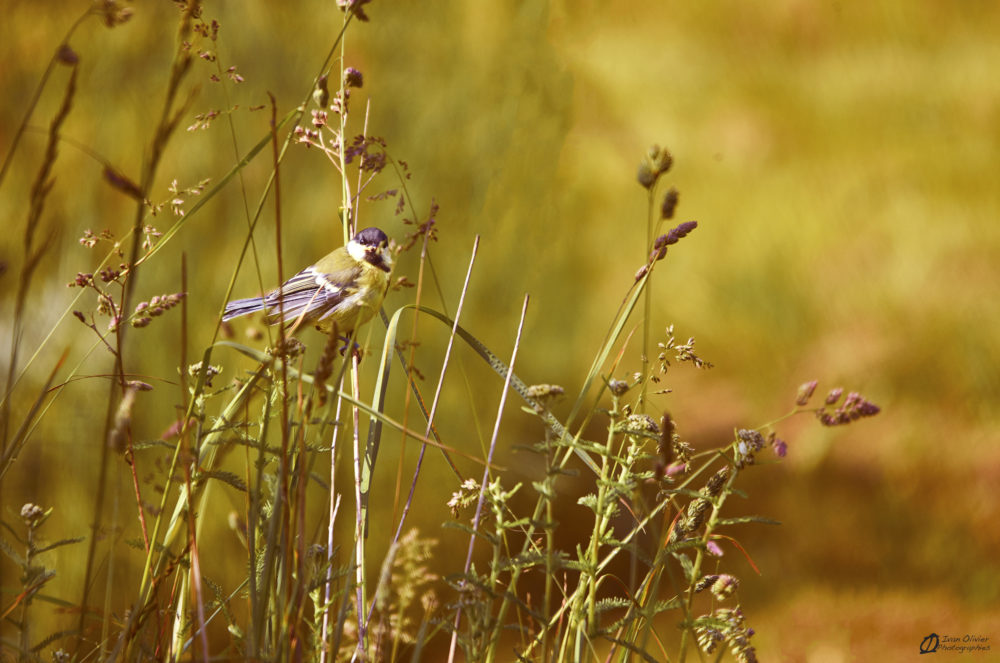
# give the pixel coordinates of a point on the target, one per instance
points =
(239, 307)
(312, 291)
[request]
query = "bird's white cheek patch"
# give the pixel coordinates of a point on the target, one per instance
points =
(356, 250)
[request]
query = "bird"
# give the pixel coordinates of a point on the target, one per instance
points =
(345, 288)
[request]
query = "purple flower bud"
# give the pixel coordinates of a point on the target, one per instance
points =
(780, 447)
(676, 234)
(806, 392)
(868, 409)
(669, 204)
(854, 407)
(353, 78)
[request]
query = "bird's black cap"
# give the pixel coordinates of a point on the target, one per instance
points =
(371, 237)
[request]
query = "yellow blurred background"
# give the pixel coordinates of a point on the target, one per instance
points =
(841, 160)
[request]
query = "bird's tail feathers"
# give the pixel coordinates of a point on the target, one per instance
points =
(238, 307)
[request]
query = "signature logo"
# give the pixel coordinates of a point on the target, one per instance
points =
(970, 643)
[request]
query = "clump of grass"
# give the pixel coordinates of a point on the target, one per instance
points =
(656, 502)
(648, 577)
(35, 575)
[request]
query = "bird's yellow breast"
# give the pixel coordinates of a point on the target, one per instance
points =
(362, 302)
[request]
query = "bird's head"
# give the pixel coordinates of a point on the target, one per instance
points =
(372, 246)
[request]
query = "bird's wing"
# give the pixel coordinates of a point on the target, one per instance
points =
(314, 291)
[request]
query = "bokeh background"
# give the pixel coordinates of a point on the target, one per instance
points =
(841, 160)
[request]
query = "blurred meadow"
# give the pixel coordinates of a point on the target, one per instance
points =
(841, 160)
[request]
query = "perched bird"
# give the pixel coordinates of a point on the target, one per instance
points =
(346, 288)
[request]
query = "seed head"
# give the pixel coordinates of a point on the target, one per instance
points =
(779, 446)
(714, 485)
(194, 370)
(353, 78)
(639, 424)
(748, 443)
(854, 407)
(696, 513)
(656, 162)
(805, 392)
(545, 391)
(30, 513)
(681, 231)
(724, 586)
(834, 395)
(618, 387)
(669, 205)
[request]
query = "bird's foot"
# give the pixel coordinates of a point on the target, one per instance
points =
(355, 348)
